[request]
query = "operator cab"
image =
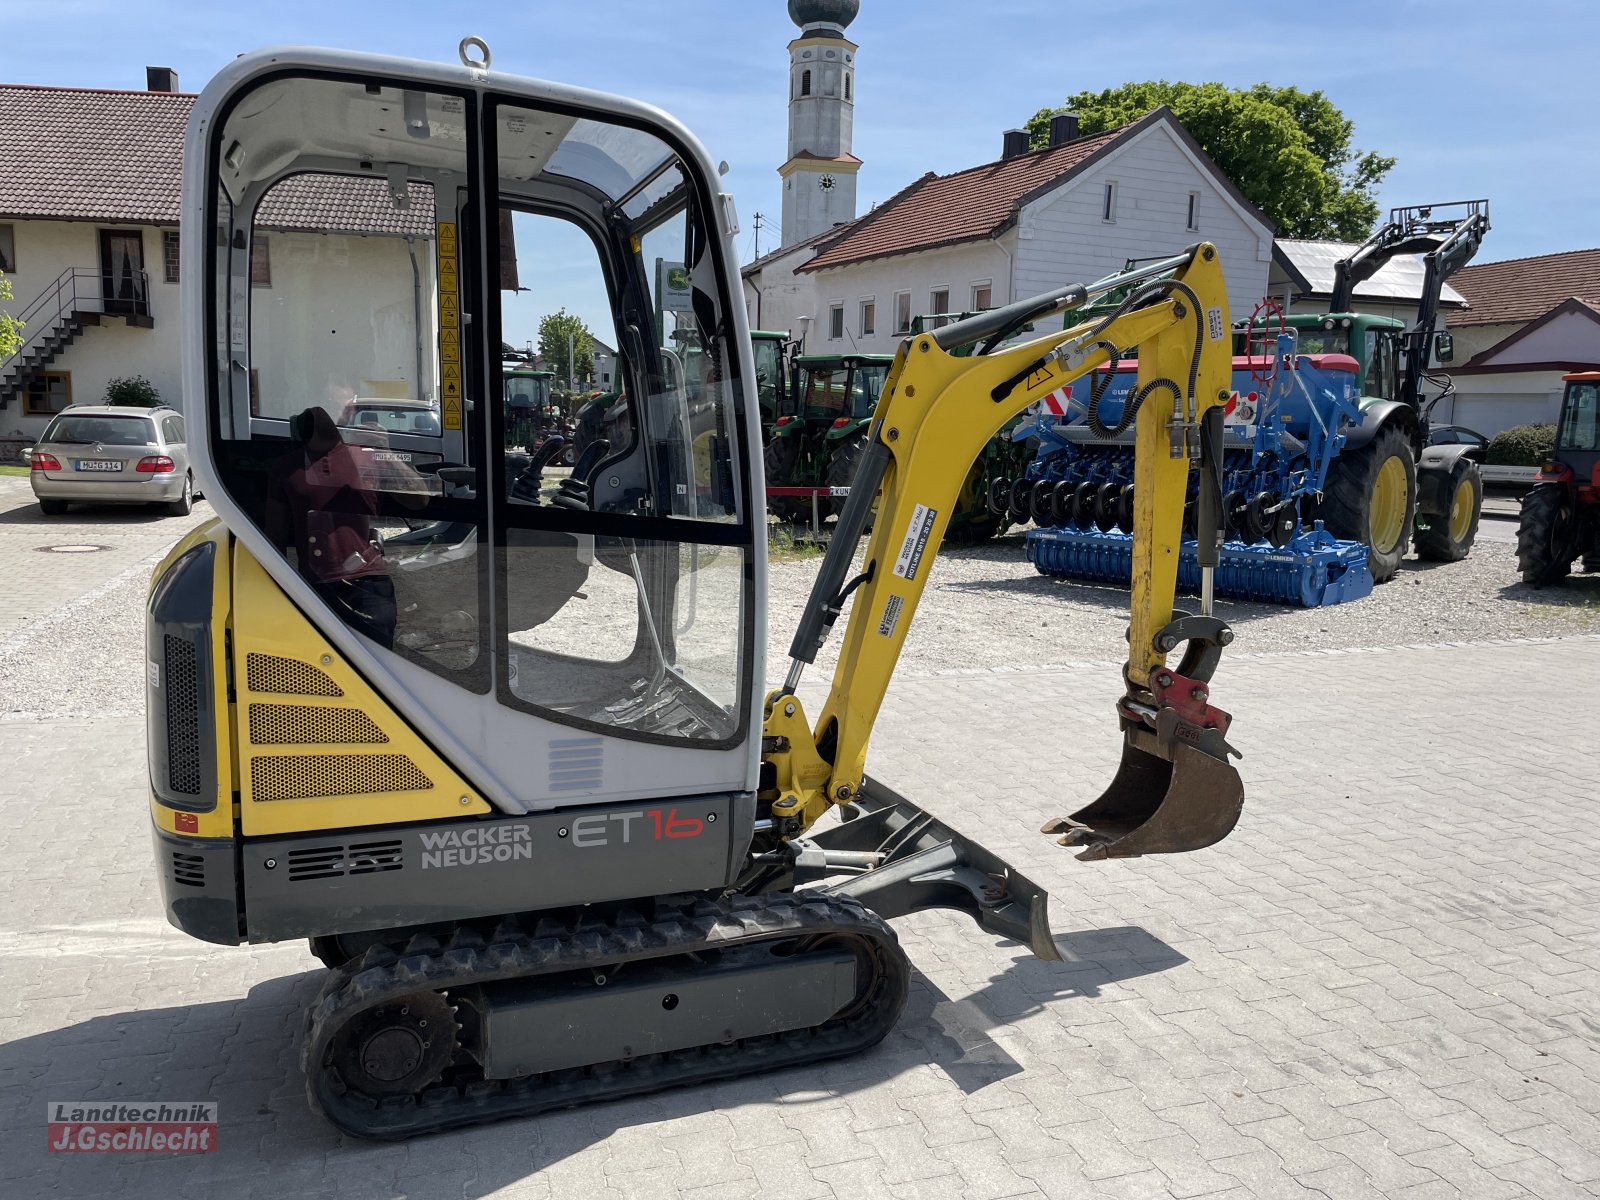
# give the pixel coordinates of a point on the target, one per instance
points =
(377, 243)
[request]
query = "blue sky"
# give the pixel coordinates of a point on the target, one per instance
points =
(1474, 99)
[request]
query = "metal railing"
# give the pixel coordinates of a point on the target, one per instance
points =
(73, 292)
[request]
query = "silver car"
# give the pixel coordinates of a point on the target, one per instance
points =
(99, 454)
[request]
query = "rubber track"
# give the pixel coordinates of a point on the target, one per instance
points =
(555, 947)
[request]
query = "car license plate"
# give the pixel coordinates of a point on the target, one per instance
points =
(99, 464)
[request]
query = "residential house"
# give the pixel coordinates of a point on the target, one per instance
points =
(1030, 221)
(89, 207)
(1529, 321)
(1301, 280)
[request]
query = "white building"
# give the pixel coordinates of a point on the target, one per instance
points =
(1076, 210)
(89, 205)
(1528, 322)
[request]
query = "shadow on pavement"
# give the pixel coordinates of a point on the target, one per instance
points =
(244, 1054)
(1575, 591)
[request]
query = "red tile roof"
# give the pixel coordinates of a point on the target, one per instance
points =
(82, 154)
(968, 206)
(79, 154)
(1523, 289)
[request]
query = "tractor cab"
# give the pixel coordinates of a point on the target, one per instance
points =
(835, 388)
(1372, 341)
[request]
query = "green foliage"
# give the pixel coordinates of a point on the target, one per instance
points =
(553, 330)
(10, 327)
(132, 391)
(1521, 446)
(1288, 151)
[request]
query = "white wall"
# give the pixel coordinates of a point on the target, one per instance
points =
(340, 308)
(956, 268)
(784, 297)
(1492, 403)
(1061, 237)
(1571, 337)
(101, 353)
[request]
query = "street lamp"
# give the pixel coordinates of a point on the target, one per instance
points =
(805, 326)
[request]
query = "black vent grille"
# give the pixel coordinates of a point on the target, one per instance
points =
(288, 677)
(358, 858)
(189, 869)
(313, 776)
(303, 725)
(183, 717)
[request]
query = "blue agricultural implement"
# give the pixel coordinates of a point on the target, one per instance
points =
(1329, 478)
(1283, 429)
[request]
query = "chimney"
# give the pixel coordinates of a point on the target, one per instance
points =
(160, 79)
(1015, 143)
(1063, 128)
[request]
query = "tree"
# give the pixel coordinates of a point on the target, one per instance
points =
(1288, 151)
(554, 329)
(10, 327)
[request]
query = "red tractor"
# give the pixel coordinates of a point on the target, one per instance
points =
(1561, 515)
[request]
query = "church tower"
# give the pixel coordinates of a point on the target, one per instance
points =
(819, 180)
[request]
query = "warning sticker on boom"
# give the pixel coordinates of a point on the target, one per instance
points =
(916, 541)
(891, 615)
(1214, 323)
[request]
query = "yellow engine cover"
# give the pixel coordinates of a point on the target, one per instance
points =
(318, 747)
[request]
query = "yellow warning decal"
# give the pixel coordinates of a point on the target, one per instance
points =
(449, 328)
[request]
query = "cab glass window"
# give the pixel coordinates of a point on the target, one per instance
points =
(343, 408)
(622, 579)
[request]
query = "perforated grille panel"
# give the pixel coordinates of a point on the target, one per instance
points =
(358, 858)
(183, 717)
(288, 677)
(302, 725)
(306, 777)
(189, 869)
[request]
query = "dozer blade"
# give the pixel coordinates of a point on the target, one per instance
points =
(917, 862)
(1157, 805)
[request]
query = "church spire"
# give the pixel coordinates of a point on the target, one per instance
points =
(819, 178)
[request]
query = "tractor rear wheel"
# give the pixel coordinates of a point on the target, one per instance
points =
(1544, 535)
(1454, 506)
(1371, 497)
(974, 519)
(842, 465)
(780, 457)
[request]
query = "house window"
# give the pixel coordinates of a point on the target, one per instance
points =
(902, 312)
(847, 85)
(805, 83)
(939, 301)
(1108, 205)
(869, 318)
(982, 294)
(48, 393)
(8, 249)
(169, 254)
(1194, 211)
(835, 322)
(260, 261)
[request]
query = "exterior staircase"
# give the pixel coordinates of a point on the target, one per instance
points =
(57, 317)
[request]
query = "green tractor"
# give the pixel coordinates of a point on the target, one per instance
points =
(819, 439)
(974, 519)
(771, 350)
(527, 401)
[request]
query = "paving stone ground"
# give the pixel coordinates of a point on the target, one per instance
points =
(1383, 984)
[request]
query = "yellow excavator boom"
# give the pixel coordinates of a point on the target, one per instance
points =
(936, 413)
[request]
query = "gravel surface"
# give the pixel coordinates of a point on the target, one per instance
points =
(985, 608)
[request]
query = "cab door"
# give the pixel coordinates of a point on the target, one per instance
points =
(595, 639)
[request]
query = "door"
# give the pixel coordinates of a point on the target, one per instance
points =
(122, 278)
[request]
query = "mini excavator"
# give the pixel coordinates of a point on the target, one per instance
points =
(502, 750)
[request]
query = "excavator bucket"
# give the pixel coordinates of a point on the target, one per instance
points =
(1157, 804)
